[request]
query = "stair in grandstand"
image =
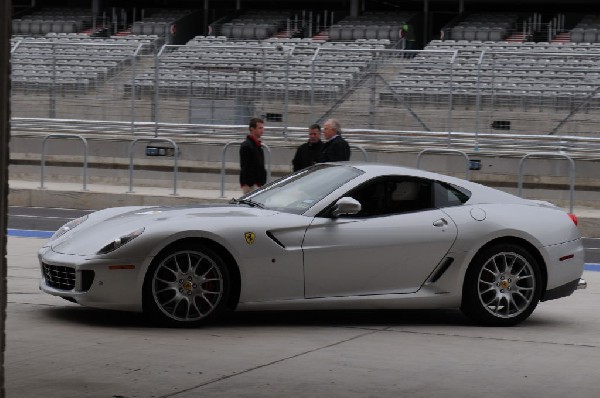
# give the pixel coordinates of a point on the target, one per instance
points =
(517, 38)
(99, 31)
(564, 37)
(286, 34)
(321, 36)
(126, 32)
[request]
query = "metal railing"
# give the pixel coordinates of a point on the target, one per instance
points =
(446, 151)
(361, 150)
(505, 144)
(175, 160)
(65, 136)
(550, 155)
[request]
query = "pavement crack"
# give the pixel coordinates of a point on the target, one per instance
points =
(493, 338)
(229, 376)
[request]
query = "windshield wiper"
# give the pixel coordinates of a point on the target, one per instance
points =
(248, 202)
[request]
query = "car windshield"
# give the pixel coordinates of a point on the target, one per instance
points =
(298, 192)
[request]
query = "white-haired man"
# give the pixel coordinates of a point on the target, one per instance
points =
(335, 148)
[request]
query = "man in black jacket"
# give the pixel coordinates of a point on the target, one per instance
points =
(335, 148)
(308, 153)
(252, 158)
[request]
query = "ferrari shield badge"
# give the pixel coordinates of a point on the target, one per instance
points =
(249, 237)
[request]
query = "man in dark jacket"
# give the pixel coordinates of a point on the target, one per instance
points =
(308, 153)
(335, 148)
(252, 158)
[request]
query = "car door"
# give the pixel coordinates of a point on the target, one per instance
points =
(392, 247)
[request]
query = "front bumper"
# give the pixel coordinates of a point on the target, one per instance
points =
(93, 282)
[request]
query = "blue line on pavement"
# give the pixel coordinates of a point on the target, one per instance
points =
(591, 267)
(26, 233)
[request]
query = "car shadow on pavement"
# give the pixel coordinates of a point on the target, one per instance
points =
(97, 317)
(343, 318)
(362, 318)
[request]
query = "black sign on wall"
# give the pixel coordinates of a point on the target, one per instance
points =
(501, 124)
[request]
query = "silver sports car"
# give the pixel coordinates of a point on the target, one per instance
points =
(333, 236)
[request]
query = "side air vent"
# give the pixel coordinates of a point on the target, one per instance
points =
(443, 267)
(274, 239)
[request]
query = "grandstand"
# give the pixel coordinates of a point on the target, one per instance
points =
(300, 64)
(488, 83)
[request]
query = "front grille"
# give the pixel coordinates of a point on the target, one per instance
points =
(59, 277)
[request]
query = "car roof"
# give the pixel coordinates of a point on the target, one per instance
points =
(384, 168)
(479, 193)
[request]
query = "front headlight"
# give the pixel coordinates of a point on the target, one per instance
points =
(123, 240)
(67, 227)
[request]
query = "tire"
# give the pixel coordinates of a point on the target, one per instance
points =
(186, 286)
(502, 286)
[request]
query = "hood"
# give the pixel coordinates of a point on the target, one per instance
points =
(105, 226)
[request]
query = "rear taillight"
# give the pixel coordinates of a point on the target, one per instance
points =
(573, 218)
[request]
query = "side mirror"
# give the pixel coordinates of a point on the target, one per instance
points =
(346, 205)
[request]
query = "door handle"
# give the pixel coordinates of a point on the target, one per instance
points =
(440, 223)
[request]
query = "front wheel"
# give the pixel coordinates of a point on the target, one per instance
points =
(502, 286)
(186, 286)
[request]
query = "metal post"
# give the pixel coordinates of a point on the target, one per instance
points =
(190, 90)
(263, 78)
(205, 22)
(425, 22)
(449, 120)
(312, 84)
(286, 91)
(372, 101)
(223, 152)
(52, 93)
(478, 103)
(493, 83)
(155, 95)
(133, 93)
(115, 21)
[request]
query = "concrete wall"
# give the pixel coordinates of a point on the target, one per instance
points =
(199, 165)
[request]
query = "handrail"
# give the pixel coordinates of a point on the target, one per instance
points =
(518, 144)
(67, 136)
(446, 150)
(175, 159)
(361, 149)
(224, 151)
(550, 155)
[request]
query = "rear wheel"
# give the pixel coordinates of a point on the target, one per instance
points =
(186, 286)
(502, 286)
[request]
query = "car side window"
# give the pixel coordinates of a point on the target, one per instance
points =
(447, 195)
(388, 196)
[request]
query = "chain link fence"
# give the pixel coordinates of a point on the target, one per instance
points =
(491, 87)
